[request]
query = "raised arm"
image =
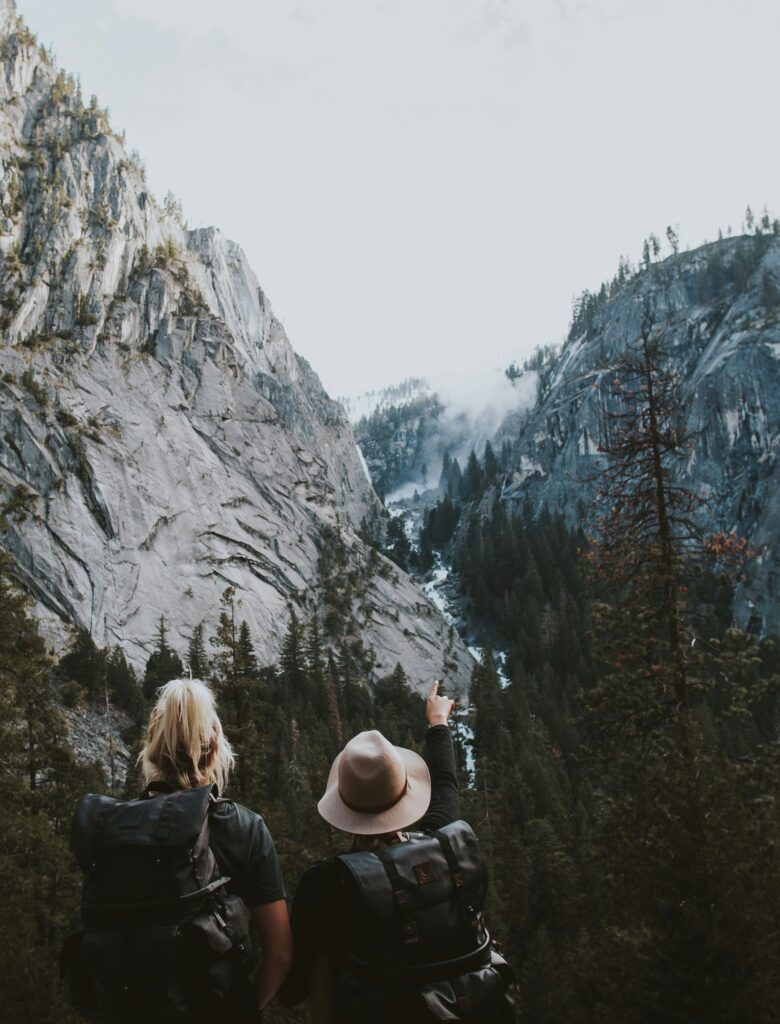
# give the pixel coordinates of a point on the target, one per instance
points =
(440, 755)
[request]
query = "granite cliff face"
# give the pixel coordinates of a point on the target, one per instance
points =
(160, 440)
(718, 310)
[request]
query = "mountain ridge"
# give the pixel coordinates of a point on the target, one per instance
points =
(161, 440)
(716, 309)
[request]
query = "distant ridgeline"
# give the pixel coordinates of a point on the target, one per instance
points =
(716, 313)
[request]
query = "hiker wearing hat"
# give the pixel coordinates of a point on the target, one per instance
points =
(393, 930)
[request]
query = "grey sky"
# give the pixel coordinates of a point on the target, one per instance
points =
(424, 183)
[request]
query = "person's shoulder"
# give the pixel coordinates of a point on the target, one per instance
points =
(226, 806)
(322, 868)
(318, 886)
(230, 814)
(320, 875)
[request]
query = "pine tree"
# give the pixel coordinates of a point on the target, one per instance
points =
(41, 784)
(123, 684)
(670, 805)
(489, 735)
(489, 463)
(313, 649)
(770, 293)
(163, 665)
(234, 674)
(446, 466)
(246, 658)
(454, 480)
(197, 658)
(650, 538)
(473, 479)
(85, 664)
(396, 705)
(292, 660)
(398, 546)
(334, 711)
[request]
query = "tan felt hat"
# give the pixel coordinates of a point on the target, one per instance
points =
(374, 787)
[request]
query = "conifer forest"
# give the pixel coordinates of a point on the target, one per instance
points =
(623, 766)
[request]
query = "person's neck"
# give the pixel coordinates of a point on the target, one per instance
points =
(362, 843)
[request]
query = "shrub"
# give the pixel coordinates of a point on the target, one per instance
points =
(166, 254)
(37, 390)
(72, 695)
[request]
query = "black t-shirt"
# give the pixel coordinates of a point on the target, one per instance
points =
(244, 850)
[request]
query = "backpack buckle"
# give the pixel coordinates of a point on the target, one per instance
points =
(409, 930)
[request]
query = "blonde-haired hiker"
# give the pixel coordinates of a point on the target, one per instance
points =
(393, 931)
(182, 887)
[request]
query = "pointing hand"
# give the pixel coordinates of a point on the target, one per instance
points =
(438, 707)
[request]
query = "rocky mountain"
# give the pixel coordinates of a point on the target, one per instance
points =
(717, 311)
(160, 440)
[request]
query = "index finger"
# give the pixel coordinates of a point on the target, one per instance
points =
(434, 688)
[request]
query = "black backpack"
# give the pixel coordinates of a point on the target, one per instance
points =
(420, 948)
(159, 937)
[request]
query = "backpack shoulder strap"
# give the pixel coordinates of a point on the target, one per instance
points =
(467, 910)
(401, 896)
(466, 867)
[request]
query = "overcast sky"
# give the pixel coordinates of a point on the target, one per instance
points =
(420, 184)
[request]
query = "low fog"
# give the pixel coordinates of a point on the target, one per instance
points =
(480, 404)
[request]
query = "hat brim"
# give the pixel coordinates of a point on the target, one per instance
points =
(409, 809)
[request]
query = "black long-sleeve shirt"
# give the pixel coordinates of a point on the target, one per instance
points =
(318, 920)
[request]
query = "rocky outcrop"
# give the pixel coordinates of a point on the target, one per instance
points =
(160, 440)
(718, 310)
(97, 738)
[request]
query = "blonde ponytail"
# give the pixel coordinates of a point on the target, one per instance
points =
(185, 745)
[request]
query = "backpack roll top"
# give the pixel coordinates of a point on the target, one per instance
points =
(146, 858)
(171, 819)
(418, 904)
